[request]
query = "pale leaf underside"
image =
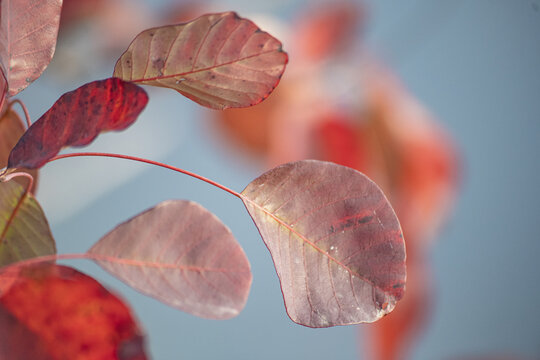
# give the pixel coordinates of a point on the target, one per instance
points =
(24, 230)
(181, 254)
(217, 60)
(336, 242)
(28, 31)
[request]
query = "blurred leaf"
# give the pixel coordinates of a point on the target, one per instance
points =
(181, 254)
(182, 11)
(335, 241)
(11, 129)
(340, 141)
(24, 231)
(394, 336)
(327, 30)
(216, 60)
(56, 312)
(75, 11)
(28, 31)
(77, 118)
(3, 89)
(397, 143)
(251, 127)
(17, 342)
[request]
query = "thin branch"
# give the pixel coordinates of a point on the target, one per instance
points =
(25, 110)
(133, 158)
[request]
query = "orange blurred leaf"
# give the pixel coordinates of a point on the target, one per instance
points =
(327, 30)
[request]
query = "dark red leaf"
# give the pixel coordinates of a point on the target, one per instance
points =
(77, 118)
(217, 60)
(55, 312)
(28, 30)
(336, 242)
(181, 254)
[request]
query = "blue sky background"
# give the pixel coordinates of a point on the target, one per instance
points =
(473, 64)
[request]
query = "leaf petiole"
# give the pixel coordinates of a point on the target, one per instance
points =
(151, 162)
(24, 109)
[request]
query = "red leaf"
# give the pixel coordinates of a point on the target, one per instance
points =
(17, 341)
(55, 312)
(11, 130)
(181, 254)
(28, 31)
(335, 241)
(394, 336)
(77, 118)
(217, 60)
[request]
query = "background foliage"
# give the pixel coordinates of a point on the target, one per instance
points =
(474, 65)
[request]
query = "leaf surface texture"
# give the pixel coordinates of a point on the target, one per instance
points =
(181, 254)
(217, 60)
(28, 31)
(77, 118)
(336, 242)
(24, 230)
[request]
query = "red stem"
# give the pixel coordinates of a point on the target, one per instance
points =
(133, 158)
(25, 110)
(46, 258)
(56, 257)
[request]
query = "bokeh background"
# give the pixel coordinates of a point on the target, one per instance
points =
(469, 67)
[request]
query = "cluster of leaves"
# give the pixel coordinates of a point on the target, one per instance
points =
(331, 109)
(335, 240)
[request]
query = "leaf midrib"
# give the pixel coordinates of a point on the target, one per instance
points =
(141, 263)
(191, 72)
(313, 245)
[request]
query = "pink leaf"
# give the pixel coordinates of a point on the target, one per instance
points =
(217, 60)
(77, 118)
(28, 31)
(336, 242)
(181, 254)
